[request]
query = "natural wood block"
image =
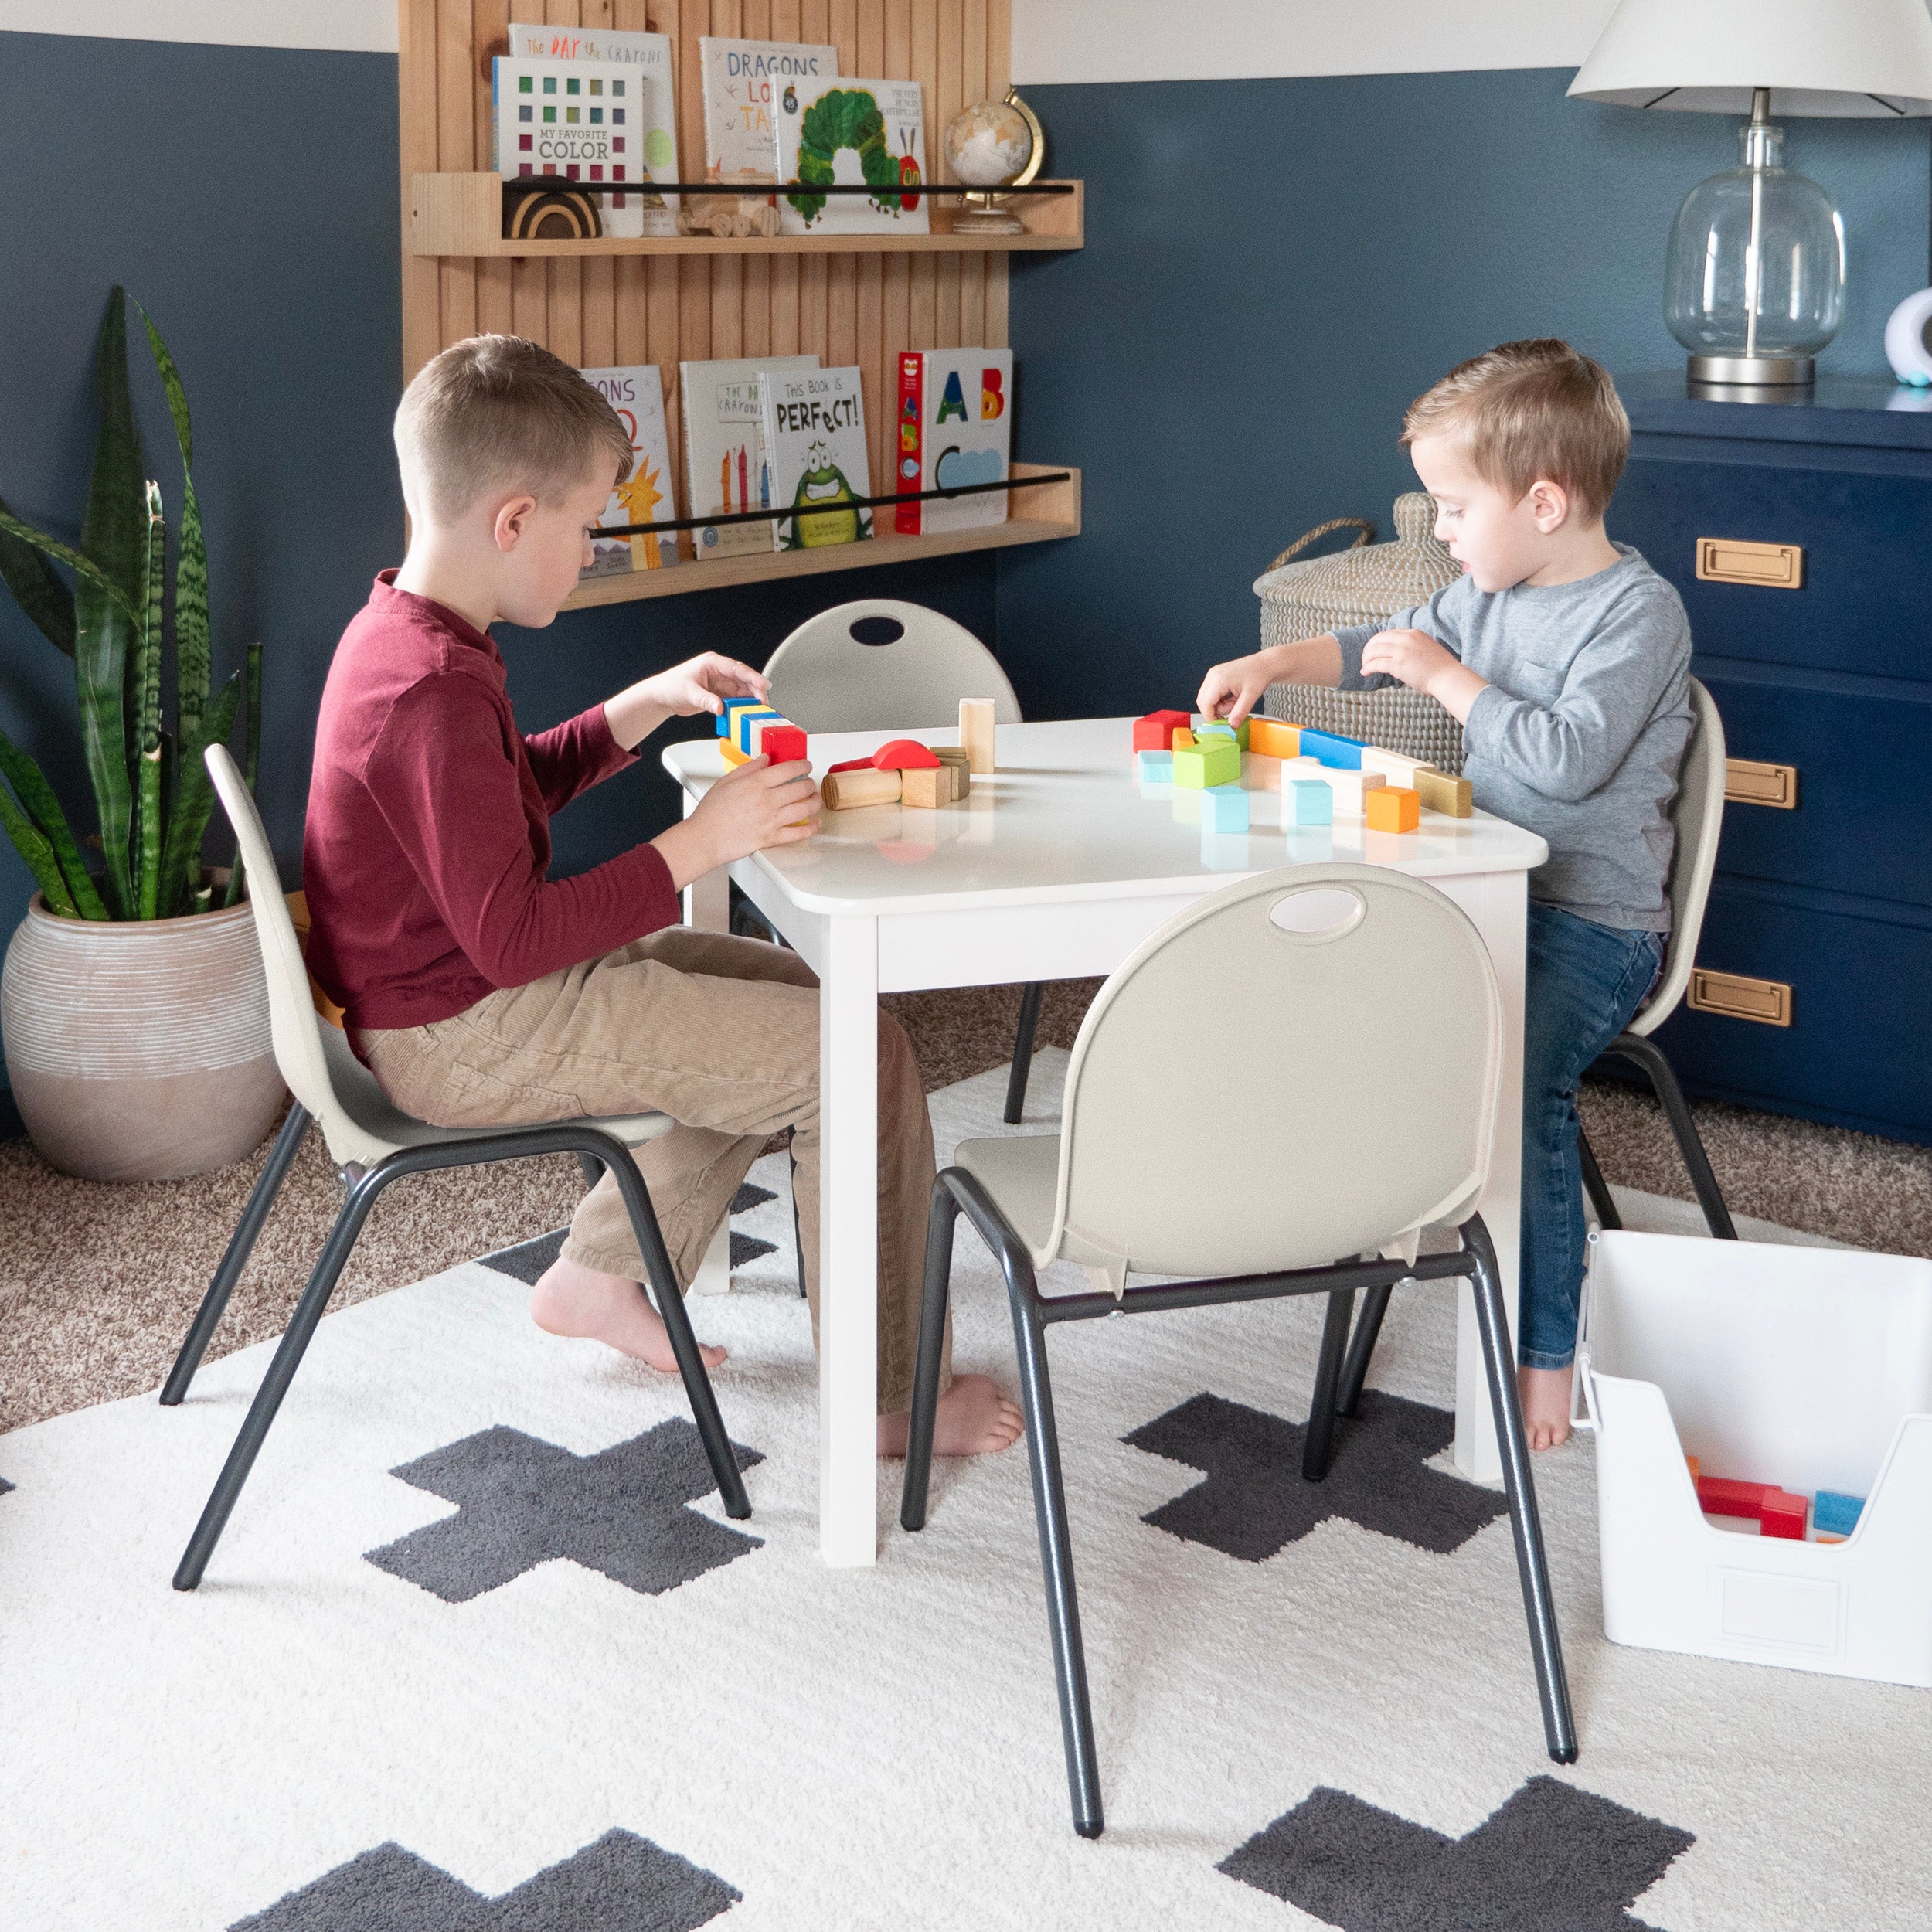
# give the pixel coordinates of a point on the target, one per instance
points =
(959, 768)
(844, 790)
(1439, 792)
(976, 732)
(1392, 808)
(927, 787)
(1397, 766)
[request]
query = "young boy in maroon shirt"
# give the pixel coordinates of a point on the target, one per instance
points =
(479, 991)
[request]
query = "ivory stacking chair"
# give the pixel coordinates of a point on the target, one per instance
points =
(1360, 1109)
(880, 665)
(373, 1143)
(1698, 814)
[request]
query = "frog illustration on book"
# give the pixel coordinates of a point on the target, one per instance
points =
(821, 489)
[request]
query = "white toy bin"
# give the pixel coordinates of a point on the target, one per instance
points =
(1810, 1367)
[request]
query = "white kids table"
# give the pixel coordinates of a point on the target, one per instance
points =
(1056, 868)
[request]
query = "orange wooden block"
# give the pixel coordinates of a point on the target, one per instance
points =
(1392, 808)
(1273, 739)
(1690, 1463)
(733, 756)
(1182, 738)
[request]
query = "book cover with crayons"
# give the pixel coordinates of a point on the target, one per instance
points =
(645, 495)
(815, 437)
(725, 468)
(954, 427)
(861, 133)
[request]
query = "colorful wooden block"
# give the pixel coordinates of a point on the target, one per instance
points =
(1310, 801)
(1350, 786)
(1344, 753)
(782, 743)
(1439, 792)
(845, 791)
(1783, 1514)
(1220, 727)
(1156, 732)
(897, 754)
(731, 754)
(742, 721)
(1259, 772)
(1154, 767)
(927, 787)
(1183, 737)
(732, 706)
(1224, 808)
(1838, 1514)
(1721, 1496)
(976, 732)
(1216, 761)
(1275, 738)
(1390, 808)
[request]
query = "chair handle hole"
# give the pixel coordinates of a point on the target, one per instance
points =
(876, 631)
(1321, 912)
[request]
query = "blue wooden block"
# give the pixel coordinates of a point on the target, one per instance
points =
(1833, 1514)
(741, 722)
(732, 706)
(1344, 753)
(1313, 803)
(1154, 767)
(1224, 808)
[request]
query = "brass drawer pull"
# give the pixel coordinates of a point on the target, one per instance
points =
(1748, 783)
(1721, 559)
(1766, 1001)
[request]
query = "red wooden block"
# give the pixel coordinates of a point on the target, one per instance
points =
(1783, 1514)
(1718, 1496)
(1156, 732)
(901, 755)
(782, 743)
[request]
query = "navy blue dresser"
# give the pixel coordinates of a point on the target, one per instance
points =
(1800, 534)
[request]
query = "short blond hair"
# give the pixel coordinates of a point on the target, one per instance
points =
(497, 411)
(1528, 411)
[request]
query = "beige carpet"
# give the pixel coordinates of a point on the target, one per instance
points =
(97, 1282)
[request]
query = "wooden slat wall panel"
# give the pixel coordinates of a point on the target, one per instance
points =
(847, 309)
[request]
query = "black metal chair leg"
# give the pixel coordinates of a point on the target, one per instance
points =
(1361, 1346)
(1056, 1563)
(1498, 1356)
(1650, 1057)
(669, 1302)
(592, 1169)
(241, 1245)
(281, 1372)
(1317, 1446)
(1594, 1185)
(940, 1226)
(1022, 1053)
(797, 1232)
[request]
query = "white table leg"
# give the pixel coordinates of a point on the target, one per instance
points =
(1498, 903)
(849, 1243)
(707, 900)
(714, 1272)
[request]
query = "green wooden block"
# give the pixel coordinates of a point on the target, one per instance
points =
(1214, 760)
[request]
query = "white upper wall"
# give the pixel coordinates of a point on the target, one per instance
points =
(1080, 40)
(352, 26)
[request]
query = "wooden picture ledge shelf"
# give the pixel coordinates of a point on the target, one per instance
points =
(1040, 516)
(457, 216)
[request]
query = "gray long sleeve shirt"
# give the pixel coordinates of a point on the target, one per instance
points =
(1582, 730)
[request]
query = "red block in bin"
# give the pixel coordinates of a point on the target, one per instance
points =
(1718, 1496)
(1156, 732)
(1783, 1514)
(783, 744)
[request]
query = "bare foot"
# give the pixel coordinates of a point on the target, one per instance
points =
(1545, 1405)
(974, 1419)
(573, 1300)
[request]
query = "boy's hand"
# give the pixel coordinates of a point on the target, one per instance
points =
(753, 806)
(1415, 659)
(699, 685)
(1232, 690)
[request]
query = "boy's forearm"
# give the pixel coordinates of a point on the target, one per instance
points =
(633, 716)
(686, 850)
(1456, 688)
(1307, 660)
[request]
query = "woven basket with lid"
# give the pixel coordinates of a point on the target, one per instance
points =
(1369, 582)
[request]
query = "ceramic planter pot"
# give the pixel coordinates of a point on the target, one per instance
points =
(139, 1050)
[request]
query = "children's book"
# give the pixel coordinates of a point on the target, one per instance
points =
(623, 96)
(859, 132)
(725, 466)
(645, 495)
(815, 439)
(741, 80)
(954, 427)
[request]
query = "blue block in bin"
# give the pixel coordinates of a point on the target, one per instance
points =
(1225, 808)
(1154, 767)
(1835, 1515)
(1311, 802)
(1344, 753)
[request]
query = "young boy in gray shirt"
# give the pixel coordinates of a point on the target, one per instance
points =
(1567, 660)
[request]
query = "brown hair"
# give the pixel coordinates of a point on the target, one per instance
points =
(1528, 411)
(497, 411)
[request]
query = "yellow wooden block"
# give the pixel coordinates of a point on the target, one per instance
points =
(1392, 808)
(1273, 739)
(1440, 793)
(733, 756)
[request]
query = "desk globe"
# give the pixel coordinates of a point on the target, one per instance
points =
(991, 145)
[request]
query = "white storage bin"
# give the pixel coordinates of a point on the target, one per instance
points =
(1810, 1367)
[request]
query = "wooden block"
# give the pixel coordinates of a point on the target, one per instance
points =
(1215, 761)
(1690, 1463)
(1156, 732)
(1783, 1514)
(1154, 767)
(1261, 773)
(927, 787)
(1350, 786)
(1397, 766)
(959, 768)
(1390, 808)
(731, 755)
(782, 743)
(1345, 754)
(1224, 808)
(1839, 1514)
(1277, 739)
(844, 790)
(905, 754)
(1721, 1496)
(741, 722)
(731, 707)
(976, 732)
(1439, 792)
(1183, 738)
(1308, 801)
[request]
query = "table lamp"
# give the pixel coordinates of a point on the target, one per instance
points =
(1754, 280)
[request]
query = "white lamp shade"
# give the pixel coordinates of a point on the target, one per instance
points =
(1844, 58)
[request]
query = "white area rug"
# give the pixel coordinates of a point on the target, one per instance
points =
(464, 1734)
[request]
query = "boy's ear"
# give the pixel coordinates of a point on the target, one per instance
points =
(512, 521)
(1549, 505)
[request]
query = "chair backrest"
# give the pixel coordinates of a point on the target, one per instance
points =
(1301, 1068)
(1697, 814)
(294, 1024)
(880, 665)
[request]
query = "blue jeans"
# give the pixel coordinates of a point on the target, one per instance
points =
(1584, 982)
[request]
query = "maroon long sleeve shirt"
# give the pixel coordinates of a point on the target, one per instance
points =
(428, 835)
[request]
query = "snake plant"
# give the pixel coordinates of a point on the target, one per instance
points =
(151, 791)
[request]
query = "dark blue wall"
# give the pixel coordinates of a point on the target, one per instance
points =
(1273, 268)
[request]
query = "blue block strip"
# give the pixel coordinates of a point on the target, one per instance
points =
(1833, 1514)
(1344, 753)
(1225, 808)
(732, 706)
(1313, 801)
